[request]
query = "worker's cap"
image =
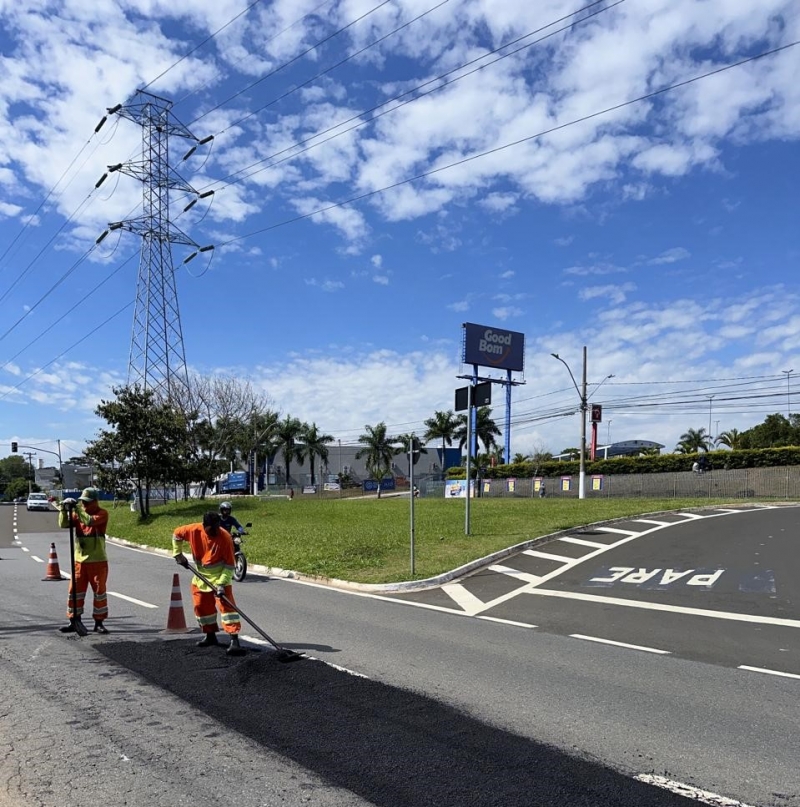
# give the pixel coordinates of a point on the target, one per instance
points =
(211, 520)
(89, 495)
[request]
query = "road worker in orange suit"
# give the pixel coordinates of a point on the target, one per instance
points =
(89, 521)
(212, 551)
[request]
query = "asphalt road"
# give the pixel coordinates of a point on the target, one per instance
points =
(452, 711)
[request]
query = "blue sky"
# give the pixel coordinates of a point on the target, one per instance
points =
(663, 235)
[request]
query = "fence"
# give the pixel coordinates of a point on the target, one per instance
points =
(746, 483)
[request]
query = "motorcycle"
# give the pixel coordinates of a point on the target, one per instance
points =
(240, 561)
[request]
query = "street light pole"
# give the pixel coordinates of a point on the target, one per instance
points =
(710, 398)
(582, 395)
(788, 399)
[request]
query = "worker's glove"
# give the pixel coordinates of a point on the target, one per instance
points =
(220, 591)
(69, 502)
(180, 559)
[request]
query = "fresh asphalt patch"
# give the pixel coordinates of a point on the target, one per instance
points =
(391, 746)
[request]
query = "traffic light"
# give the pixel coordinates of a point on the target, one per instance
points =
(597, 413)
(13, 447)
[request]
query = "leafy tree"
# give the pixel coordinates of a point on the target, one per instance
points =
(314, 445)
(692, 441)
(19, 487)
(379, 450)
(143, 444)
(776, 431)
(571, 453)
(486, 429)
(288, 432)
(518, 457)
(442, 426)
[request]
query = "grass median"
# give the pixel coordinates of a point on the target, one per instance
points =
(367, 540)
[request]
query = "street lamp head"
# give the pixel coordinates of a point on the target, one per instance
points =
(555, 355)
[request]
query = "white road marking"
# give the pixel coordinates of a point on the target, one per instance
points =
(581, 542)
(534, 553)
(688, 791)
(524, 576)
(769, 672)
(690, 516)
(618, 531)
(466, 599)
(131, 599)
(507, 622)
(674, 609)
(653, 521)
(37, 559)
(620, 644)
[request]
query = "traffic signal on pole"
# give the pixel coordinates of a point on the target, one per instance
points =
(597, 413)
(13, 447)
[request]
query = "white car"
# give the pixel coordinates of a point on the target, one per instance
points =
(37, 501)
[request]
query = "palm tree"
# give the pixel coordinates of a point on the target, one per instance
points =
(441, 426)
(521, 458)
(692, 441)
(314, 445)
(732, 439)
(379, 449)
(287, 433)
(485, 428)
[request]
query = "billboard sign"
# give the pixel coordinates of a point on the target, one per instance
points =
(481, 396)
(493, 347)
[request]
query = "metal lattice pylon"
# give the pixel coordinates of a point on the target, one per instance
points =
(157, 359)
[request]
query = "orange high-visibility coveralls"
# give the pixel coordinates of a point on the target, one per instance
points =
(214, 559)
(91, 560)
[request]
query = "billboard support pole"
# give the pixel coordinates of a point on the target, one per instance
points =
(508, 417)
(469, 469)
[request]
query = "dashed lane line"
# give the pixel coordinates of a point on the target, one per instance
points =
(768, 671)
(688, 791)
(620, 644)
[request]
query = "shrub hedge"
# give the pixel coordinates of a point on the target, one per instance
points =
(655, 464)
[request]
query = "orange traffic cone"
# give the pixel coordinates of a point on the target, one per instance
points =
(53, 572)
(176, 620)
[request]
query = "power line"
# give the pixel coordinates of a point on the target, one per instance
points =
(497, 149)
(201, 44)
(402, 95)
(290, 62)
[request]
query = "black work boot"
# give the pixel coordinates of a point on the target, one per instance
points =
(234, 648)
(209, 640)
(99, 627)
(75, 626)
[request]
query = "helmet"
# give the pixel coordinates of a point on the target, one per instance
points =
(225, 506)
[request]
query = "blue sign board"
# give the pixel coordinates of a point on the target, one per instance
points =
(371, 485)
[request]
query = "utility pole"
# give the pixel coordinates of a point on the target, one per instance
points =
(788, 393)
(30, 455)
(157, 359)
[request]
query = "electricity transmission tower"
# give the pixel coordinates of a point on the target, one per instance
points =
(157, 359)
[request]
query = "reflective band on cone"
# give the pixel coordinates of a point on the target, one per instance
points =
(176, 621)
(53, 572)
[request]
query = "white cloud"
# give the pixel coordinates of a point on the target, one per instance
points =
(616, 294)
(670, 256)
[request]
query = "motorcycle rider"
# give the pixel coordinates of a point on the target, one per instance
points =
(228, 521)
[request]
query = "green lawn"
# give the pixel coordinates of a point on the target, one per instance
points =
(367, 540)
